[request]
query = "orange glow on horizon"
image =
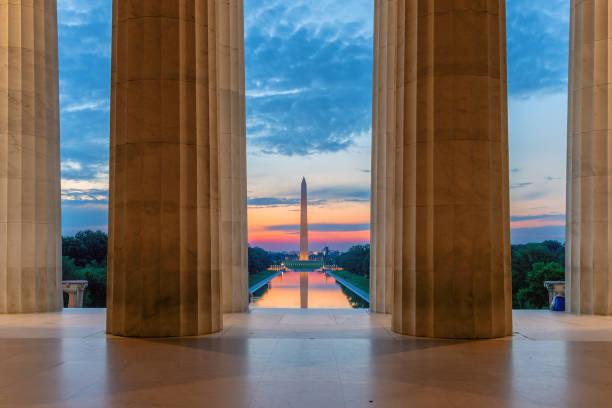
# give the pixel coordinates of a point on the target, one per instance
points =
(270, 226)
(537, 223)
(263, 220)
(313, 236)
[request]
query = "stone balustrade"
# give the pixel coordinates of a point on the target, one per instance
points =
(75, 290)
(555, 289)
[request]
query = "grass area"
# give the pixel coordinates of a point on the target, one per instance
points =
(255, 278)
(359, 281)
(303, 265)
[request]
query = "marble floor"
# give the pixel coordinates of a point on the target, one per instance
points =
(304, 358)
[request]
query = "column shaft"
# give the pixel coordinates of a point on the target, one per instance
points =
(383, 139)
(30, 215)
(589, 160)
(445, 163)
(233, 189)
(176, 118)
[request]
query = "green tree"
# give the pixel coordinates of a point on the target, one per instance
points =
(69, 269)
(95, 275)
(356, 260)
(86, 247)
(534, 295)
(84, 258)
(259, 260)
(525, 256)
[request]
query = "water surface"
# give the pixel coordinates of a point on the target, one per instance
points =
(306, 290)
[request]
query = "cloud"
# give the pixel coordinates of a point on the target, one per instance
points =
(90, 186)
(96, 105)
(268, 93)
(538, 44)
(308, 75)
(271, 201)
(279, 17)
(317, 196)
(71, 165)
(76, 13)
(342, 193)
(555, 217)
(321, 227)
(83, 216)
(280, 202)
(520, 185)
(535, 194)
(527, 235)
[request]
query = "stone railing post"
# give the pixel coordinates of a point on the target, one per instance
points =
(75, 290)
(555, 289)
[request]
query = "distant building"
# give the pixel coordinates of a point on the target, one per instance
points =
(304, 223)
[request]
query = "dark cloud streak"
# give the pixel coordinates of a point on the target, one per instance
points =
(333, 76)
(322, 227)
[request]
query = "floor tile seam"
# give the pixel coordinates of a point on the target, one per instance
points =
(338, 374)
(96, 333)
(524, 336)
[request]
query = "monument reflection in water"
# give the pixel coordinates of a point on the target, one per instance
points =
(301, 289)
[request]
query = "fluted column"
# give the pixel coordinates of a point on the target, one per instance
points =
(30, 224)
(446, 133)
(383, 137)
(233, 188)
(589, 158)
(176, 118)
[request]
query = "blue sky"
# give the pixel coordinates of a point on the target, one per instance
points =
(308, 85)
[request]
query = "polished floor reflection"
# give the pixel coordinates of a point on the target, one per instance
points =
(306, 290)
(303, 358)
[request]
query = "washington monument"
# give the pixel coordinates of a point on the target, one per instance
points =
(304, 223)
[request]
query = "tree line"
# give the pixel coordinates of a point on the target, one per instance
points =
(259, 260)
(532, 265)
(84, 258)
(356, 260)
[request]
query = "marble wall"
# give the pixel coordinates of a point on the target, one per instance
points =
(440, 168)
(30, 214)
(589, 155)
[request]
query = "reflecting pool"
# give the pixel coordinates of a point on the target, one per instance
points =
(306, 290)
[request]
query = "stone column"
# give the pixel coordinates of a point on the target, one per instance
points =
(30, 224)
(383, 137)
(233, 188)
(589, 169)
(444, 104)
(171, 135)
